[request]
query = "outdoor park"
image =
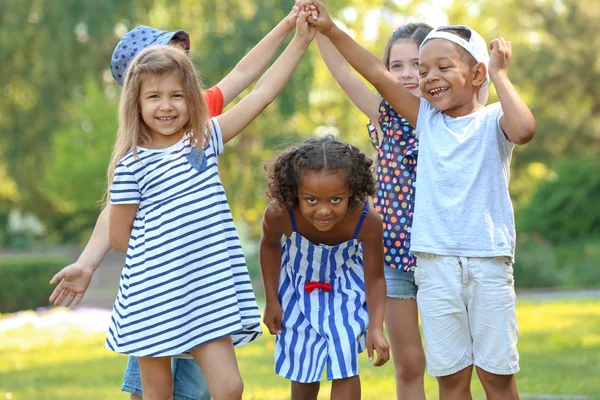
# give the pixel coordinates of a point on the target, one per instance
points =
(59, 117)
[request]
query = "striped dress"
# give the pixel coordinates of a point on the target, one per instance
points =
(185, 280)
(326, 325)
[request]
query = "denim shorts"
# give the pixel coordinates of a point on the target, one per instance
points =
(400, 284)
(188, 380)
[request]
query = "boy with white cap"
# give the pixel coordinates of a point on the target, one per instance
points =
(463, 229)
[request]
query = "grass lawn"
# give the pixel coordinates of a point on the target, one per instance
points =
(559, 345)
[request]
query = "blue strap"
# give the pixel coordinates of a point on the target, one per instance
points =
(293, 220)
(361, 220)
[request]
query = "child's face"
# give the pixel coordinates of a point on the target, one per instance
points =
(445, 75)
(163, 107)
(323, 198)
(404, 65)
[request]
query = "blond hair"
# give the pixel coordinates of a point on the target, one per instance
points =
(133, 131)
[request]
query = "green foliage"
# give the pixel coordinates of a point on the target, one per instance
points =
(539, 264)
(49, 48)
(24, 281)
(564, 208)
(75, 179)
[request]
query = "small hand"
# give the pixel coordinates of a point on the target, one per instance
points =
(320, 18)
(376, 341)
(290, 19)
(303, 29)
(500, 55)
(73, 280)
(308, 5)
(272, 317)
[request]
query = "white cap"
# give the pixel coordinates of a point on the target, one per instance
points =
(476, 46)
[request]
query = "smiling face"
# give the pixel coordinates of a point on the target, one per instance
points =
(323, 197)
(446, 77)
(163, 108)
(404, 64)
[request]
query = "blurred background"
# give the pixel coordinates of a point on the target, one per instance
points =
(58, 120)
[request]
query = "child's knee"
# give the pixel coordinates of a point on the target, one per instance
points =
(231, 387)
(305, 390)
(494, 381)
(457, 381)
(411, 368)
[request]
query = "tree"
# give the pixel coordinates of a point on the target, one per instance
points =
(49, 47)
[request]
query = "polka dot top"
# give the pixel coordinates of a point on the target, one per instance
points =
(396, 174)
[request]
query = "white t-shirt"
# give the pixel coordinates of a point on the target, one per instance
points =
(462, 203)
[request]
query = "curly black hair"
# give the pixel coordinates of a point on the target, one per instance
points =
(320, 154)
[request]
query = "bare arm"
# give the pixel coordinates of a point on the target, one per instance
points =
(121, 223)
(371, 236)
(73, 280)
(367, 101)
(256, 60)
(270, 264)
(270, 84)
(368, 65)
(517, 123)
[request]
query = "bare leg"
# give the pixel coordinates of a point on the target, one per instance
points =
(134, 397)
(456, 386)
(219, 365)
(346, 389)
(402, 324)
(498, 386)
(157, 379)
(305, 391)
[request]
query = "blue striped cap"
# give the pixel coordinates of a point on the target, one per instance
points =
(135, 41)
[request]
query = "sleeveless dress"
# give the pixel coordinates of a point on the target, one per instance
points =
(325, 319)
(185, 280)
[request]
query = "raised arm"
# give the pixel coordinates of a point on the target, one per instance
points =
(257, 59)
(367, 101)
(270, 264)
(371, 236)
(73, 280)
(517, 123)
(269, 85)
(367, 64)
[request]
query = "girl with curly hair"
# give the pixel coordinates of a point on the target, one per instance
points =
(319, 280)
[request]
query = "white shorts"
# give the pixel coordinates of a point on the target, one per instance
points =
(468, 313)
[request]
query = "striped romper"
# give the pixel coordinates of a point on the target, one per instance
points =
(325, 319)
(185, 280)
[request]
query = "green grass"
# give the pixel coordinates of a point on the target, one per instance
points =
(559, 345)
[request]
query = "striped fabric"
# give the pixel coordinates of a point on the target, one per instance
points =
(185, 280)
(321, 327)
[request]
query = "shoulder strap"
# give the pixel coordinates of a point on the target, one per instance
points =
(293, 220)
(361, 220)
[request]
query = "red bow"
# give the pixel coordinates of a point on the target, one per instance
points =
(310, 286)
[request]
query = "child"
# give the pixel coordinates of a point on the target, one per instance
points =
(74, 279)
(185, 288)
(319, 282)
(463, 227)
(394, 139)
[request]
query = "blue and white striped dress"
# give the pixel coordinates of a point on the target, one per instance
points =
(321, 327)
(185, 280)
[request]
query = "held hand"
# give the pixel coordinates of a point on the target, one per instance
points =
(500, 55)
(321, 19)
(376, 341)
(303, 29)
(290, 19)
(73, 280)
(272, 317)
